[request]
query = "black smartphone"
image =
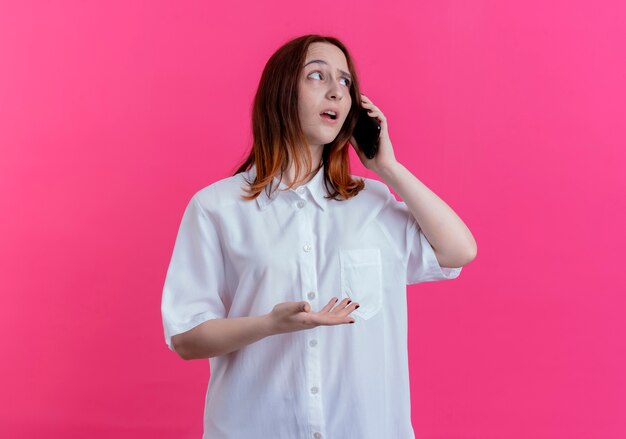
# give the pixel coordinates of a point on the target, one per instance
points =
(366, 133)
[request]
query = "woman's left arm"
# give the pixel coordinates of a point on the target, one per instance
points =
(448, 235)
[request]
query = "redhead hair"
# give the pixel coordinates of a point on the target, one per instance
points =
(277, 132)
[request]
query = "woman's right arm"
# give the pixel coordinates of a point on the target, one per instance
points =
(220, 336)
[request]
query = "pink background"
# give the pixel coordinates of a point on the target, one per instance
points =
(112, 114)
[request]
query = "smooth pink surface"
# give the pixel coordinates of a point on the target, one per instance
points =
(112, 114)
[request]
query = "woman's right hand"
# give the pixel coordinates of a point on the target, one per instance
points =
(295, 316)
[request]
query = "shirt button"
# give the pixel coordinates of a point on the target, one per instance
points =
(313, 343)
(314, 390)
(317, 435)
(311, 295)
(307, 247)
(300, 204)
(300, 190)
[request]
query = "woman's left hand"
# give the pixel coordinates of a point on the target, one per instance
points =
(385, 158)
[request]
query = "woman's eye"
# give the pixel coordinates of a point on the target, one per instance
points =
(347, 81)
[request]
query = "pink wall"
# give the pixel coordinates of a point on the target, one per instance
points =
(112, 114)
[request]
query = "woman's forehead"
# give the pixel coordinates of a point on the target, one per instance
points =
(327, 52)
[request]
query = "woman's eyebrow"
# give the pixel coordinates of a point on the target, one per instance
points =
(321, 61)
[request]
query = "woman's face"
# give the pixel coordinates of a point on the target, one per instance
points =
(324, 86)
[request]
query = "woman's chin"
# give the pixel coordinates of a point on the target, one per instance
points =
(325, 140)
(320, 142)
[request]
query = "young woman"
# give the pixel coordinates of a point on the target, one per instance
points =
(290, 276)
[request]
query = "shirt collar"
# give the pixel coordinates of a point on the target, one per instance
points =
(315, 186)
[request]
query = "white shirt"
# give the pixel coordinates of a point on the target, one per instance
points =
(235, 258)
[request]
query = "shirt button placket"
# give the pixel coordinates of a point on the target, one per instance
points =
(311, 296)
(313, 353)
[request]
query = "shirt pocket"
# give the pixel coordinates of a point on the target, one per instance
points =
(361, 280)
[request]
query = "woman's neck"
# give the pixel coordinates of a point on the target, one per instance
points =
(316, 155)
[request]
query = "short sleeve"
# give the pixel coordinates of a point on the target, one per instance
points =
(399, 224)
(195, 276)
(423, 265)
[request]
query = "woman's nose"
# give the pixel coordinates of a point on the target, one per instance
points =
(335, 91)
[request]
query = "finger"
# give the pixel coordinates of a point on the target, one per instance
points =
(348, 309)
(366, 101)
(373, 109)
(332, 319)
(371, 112)
(329, 305)
(345, 302)
(342, 305)
(377, 114)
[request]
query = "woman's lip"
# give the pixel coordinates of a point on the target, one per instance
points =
(329, 120)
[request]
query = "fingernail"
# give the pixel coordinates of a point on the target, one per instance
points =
(351, 321)
(349, 301)
(356, 306)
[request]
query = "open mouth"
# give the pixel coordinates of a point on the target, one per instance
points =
(329, 115)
